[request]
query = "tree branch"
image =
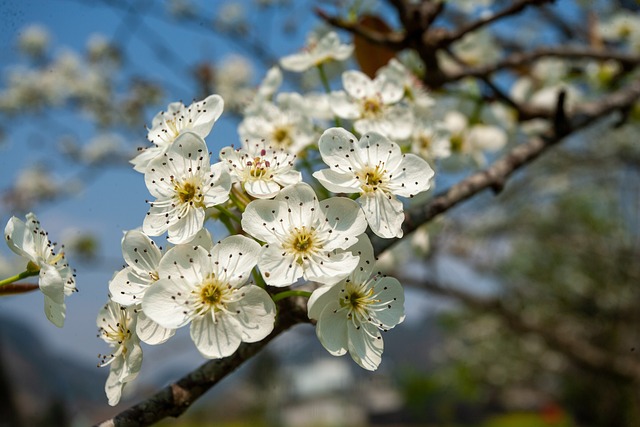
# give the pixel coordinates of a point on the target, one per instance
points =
(513, 9)
(497, 174)
(395, 40)
(577, 350)
(565, 52)
(176, 398)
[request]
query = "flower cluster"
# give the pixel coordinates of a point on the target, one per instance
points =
(312, 173)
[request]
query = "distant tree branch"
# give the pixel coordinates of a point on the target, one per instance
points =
(565, 52)
(497, 174)
(515, 8)
(577, 350)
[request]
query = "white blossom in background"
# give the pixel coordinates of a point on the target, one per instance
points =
(265, 92)
(117, 326)
(56, 278)
(233, 80)
(351, 314)
(473, 139)
(185, 184)
(373, 105)
(261, 169)
(282, 128)
(414, 90)
(304, 237)
(34, 40)
(430, 140)
(622, 26)
(208, 289)
(166, 127)
(317, 52)
(103, 148)
(375, 167)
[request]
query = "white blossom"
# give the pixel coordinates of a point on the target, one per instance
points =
(184, 184)
(208, 290)
(304, 236)
(473, 139)
(375, 167)
(281, 128)
(116, 326)
(56, 278)
(317, 52)
(374, 105)
(351, 313)
(166, 127)
(261, 169)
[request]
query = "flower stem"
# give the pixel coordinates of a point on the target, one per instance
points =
(282, 295)
(327, 88)
(26, 273)
(227, 213)
(239, 199)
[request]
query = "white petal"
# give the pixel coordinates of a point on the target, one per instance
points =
(329, 270)
(19, 238)
(346, 220)
(336, 147)
(140, 252)
(389, 291)
(374, 148)
(288, 178)
(260, 219)
(344, 106)
(338, 182)
(255, 312)
(413, 176)
(302, 204)
(151, 332)
(164, 303)
(365, 345)
(331, 328)
(319, 298)
(204, 114)
(51, 283)
(262, 188)
(234, 258)
(278, 269)
(384, 214)
(159, 218)
(357, 84)
(216, 340)
(367, 260)
(390, 90)
(217, 185)
(186, 228)
(142, 160)
(127, 287)
(113, 386)
(297, 62)
(55, 311)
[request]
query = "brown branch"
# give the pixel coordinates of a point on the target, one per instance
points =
(176, 398)
(18, 288)
(566, 52)
(577, 350)
(497, 174)
(394, 40)
(513, 9)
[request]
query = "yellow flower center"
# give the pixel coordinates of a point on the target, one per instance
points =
(302, 242)
(373, 178)
(189, 193)
(372, 107)
(282, 136)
